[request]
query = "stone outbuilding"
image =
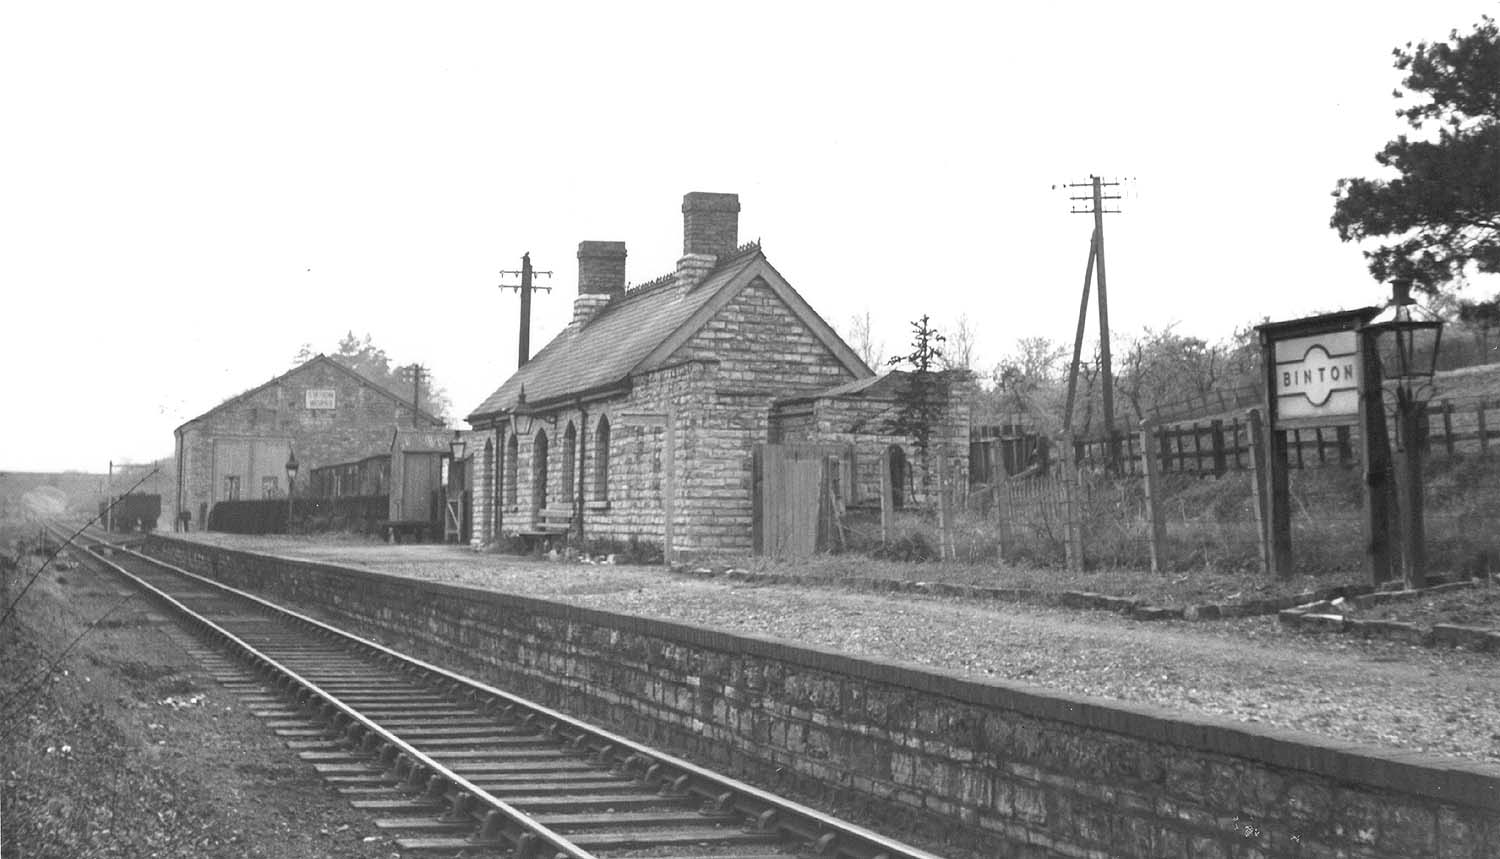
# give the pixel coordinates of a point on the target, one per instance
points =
(322, 411)
(648, 406)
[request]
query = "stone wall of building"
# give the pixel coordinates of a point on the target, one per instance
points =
(762, 346)
(999, 768)
(359, 425)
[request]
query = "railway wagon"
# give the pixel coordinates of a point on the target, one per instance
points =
(136, 511)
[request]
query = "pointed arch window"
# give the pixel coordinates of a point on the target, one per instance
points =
(601, 460)
(512, 469)
(539, 471)
(567, 482)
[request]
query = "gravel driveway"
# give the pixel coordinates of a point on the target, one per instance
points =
(1381, 693)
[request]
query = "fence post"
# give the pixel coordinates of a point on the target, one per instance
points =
(1259, 480)
(1155, 513)
(1346, 450)
(1448, 426)
(947, 551)
(887, 502)
(1221, 460)
(1001, 490)
(1072, 528)
(1484, 436)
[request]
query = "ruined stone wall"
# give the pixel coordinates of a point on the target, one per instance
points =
(861, 422)
(997, 767)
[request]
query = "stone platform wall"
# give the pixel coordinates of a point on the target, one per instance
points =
(1026, 773)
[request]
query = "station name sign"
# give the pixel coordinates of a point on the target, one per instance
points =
(320, 398)
(1316, 379)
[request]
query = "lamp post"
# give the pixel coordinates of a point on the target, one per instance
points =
(1406, 339)
(291, 485)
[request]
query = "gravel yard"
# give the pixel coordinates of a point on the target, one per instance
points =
(1381, 693)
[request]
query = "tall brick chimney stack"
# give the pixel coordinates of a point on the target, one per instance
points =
(710, 231)
(601, 277)
(710, 223)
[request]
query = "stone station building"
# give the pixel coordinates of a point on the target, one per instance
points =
(641, 417)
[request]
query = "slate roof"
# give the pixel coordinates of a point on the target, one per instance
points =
(637, 332)
(318, 359)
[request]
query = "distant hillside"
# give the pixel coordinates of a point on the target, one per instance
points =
(77, 492)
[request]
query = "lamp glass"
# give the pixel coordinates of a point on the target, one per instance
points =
(1408, 347)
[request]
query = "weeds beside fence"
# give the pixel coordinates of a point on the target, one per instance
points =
(1183, 497)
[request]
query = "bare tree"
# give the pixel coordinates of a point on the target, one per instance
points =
(959, 353)
(863, 341)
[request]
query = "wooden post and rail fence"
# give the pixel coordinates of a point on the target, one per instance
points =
(1049, 496)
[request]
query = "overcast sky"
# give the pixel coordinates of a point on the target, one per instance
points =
(193, 191)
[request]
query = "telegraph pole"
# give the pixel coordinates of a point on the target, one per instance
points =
(1096, 207)
(525, 288)
(416, 394)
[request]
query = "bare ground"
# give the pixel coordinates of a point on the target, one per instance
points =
(114, 743)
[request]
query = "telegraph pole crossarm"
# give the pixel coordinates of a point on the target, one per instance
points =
(525, 288)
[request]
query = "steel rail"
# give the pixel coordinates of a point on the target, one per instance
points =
(828, 835)
(419, 762)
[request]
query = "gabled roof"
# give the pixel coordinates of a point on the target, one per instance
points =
(641, 330)
(319, 359)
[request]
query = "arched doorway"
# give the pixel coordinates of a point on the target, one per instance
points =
(539, 472)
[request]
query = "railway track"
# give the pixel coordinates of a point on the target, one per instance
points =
(452, 765)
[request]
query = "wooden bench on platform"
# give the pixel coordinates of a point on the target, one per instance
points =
(414, 530)
(552, 524)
